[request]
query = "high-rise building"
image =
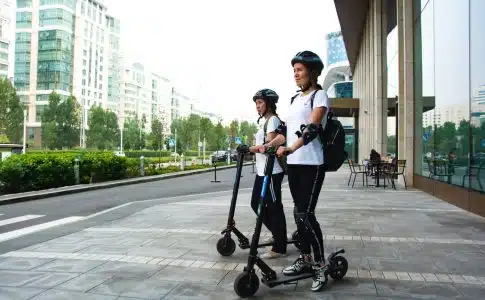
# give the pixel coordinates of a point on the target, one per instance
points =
(161, 96)
(114, 63)
(44, 44)
(145, 93)
(5, 9)
(181, 104)
(62, 46)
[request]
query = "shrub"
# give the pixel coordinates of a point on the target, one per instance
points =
(46, 170)
(36, 171)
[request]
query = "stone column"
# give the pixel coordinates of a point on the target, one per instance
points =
(370, 79)
(406, 120)
(380, 71)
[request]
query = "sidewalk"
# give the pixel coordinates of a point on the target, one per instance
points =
(400, 243)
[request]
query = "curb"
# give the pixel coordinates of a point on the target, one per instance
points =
(42, 194)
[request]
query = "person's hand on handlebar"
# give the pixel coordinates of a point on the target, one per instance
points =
(262, 149)
(284, 151)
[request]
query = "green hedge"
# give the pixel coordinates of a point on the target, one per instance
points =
(128, 153)
(46, 170)
(153, 153)
(22, 173)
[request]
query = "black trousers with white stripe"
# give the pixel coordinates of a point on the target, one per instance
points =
(305, 182)
(274, 219)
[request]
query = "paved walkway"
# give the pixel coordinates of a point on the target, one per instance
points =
(400, 245)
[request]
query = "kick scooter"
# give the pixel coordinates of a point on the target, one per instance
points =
(246, 284)
(226, 245)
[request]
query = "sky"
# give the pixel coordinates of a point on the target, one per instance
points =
(221, 52)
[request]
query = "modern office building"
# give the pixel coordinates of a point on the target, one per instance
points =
(145, 93)
(62, 46)
(181, 104)
(44, 48)
(440, 65)
(337, 67)
(115, 63)
(5, 19)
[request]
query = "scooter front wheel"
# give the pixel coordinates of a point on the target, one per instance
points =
(246, 284)
(338, 267)
(226, 246)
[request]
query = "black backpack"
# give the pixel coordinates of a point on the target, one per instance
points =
(332, 138)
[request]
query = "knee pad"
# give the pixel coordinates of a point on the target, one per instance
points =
(301, 219)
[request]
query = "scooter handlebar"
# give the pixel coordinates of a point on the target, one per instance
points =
(242, 148)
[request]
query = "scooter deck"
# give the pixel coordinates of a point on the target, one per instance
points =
(286, 279)
(247, 246)
(245, 243)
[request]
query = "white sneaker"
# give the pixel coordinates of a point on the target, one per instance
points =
(320, 279)
(298, 267)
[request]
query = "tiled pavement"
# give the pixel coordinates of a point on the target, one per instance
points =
(400, 245)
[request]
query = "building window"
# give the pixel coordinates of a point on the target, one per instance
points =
(450, 92)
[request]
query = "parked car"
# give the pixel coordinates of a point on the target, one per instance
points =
(219, 156)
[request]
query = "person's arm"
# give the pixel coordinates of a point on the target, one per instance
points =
(276, 133)
(254, 149)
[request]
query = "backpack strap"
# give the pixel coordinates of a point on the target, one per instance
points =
(265, 128)
(311, 99)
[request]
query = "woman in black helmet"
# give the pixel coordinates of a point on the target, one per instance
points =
(274, 220)
(305, 162)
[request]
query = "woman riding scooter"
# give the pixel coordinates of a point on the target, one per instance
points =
(305, 163)
(274, 220)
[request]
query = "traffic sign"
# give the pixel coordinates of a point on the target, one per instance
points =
(237, 140)
(171, 142)
(426, 136)
(483, 142)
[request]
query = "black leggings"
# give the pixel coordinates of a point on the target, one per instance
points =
(274, 219)
(305, 183)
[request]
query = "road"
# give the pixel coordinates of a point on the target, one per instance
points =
(19, 219)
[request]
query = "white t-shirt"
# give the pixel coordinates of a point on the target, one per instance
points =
(300, 113)
(273, 124)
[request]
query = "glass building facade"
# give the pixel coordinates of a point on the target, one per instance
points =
(22, 60)
(449, 80)
(335, 48)
(55, 51)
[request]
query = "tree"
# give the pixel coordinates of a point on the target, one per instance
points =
(49, 122)
(157, 134)
(220, 137)
(131, 134)
(233, 132)
(62, 120)
(391, 144)
(11, 112)
(68, 121)
(103, 128)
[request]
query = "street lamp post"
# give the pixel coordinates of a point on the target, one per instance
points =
(25, 131)
(122, 127)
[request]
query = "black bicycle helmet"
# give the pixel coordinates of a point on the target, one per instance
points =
(310, 60)
(266, 95)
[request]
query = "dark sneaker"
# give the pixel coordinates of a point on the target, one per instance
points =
(298, 267)
(320, 279)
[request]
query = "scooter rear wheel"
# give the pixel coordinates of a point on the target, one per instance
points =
(226, 246)
(246, 284)
(294, 237)
(338, 267)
